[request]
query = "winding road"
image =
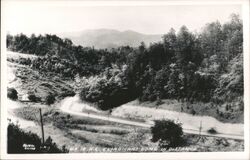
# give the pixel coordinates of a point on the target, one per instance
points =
(67, 104)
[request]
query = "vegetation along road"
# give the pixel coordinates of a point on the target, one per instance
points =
(67, 104)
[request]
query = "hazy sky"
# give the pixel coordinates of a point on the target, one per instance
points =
(33, 18)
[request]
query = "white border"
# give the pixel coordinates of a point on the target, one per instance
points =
(131, 156)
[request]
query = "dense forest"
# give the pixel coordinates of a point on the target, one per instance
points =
(205, 66)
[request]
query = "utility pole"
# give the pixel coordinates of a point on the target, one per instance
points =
(202, 138)
(41, 119)
(200, 128)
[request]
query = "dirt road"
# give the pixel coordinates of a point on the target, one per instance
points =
(68, 103)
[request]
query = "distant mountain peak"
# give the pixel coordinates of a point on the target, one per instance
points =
(110, 38)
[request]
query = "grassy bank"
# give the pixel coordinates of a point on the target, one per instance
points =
(80, 134)
(221, 113)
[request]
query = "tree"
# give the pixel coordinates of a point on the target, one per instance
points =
(188, 58)
(231, 84)
(212, 39)
(168, 133)
(233, 35)
(157, 56)
(142, 47)
(169, 42)
(32, 98)
(9, 41)
(50, 99)
(12, 93)
(188, 48)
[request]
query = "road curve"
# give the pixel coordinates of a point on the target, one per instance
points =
(66, 106)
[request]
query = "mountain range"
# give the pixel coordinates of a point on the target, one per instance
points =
(110, 38)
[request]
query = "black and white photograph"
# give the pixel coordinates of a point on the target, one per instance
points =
(124, 77)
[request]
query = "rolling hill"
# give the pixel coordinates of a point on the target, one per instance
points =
(109, 38)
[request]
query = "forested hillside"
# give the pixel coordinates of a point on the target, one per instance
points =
(204, 67)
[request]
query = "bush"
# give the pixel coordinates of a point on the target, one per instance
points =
(118, 132)
(17, 139)
(50, 99)
(52, 147)
(12, 94)
(67, 94)
(159, 102)
(33, 98)
(193, 112)
(212, 131)
(168, 133)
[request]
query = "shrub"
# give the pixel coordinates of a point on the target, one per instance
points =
(168, 133)
(193, 112)
(12, 93)
(33, 98)
(52, 147)
(212, 131)
(118, 132)
(50, 99)
(67, 94)
(159, 102)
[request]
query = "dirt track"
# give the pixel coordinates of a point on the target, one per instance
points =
(67, 104)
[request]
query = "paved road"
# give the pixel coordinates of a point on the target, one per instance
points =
(66, 107)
